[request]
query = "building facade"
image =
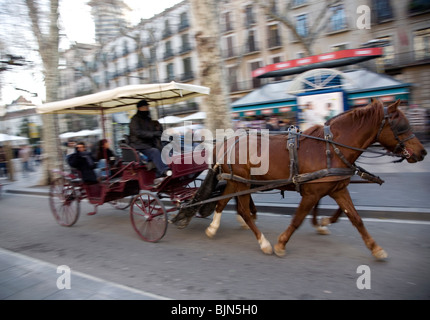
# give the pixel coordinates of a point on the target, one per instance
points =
(162, 48)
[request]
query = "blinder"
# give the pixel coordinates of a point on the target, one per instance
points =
(398, 127)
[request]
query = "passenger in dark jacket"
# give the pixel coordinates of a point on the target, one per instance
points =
(145, 136)
(83, 161)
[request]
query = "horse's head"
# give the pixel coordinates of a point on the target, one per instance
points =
(396, 135)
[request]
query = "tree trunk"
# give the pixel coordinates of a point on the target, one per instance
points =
(48, 50)
(216, 105)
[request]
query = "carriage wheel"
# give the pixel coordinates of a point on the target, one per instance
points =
(122, 203)
(148, 217)
(64, 202)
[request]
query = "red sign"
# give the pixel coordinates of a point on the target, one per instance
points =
(350, 56)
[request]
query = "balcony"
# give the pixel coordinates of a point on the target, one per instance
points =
(407, 59)
(168, 55)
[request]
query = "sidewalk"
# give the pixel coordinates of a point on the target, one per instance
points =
(25, 278)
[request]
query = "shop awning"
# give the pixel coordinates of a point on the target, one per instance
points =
(326, 60)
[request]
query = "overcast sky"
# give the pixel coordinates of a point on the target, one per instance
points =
(77, 20)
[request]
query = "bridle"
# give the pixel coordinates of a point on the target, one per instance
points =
(397, 130)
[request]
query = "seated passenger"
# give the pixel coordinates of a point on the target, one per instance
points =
(105, 156)
(145, 136)
(83, 161)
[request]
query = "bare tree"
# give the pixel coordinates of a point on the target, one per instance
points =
(319, 23)
(48, 43)
(204, 13)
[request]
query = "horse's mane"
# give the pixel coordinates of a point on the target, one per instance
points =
(371, 114)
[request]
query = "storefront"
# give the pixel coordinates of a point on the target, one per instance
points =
(285, 99)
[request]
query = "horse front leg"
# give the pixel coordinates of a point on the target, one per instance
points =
(343, 199)
(245, 208)
(306, 204)
(253, 209)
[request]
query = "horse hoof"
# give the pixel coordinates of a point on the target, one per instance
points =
(265, 245)
(279, 251)
(210, 233)
(323, 230)
(267, 250)
(325, 221)
(380, 254)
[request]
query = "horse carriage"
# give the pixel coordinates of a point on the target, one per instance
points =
(131, 183)
(316, 163)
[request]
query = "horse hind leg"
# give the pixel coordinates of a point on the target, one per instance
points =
(343, 199)
(321, 226)
(216, 220)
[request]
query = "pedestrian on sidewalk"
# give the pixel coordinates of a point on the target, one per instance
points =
(25, 155)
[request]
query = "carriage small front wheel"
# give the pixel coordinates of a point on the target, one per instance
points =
(64, 202)
(148, 216)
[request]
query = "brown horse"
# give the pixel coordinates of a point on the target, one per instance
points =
(352, 131)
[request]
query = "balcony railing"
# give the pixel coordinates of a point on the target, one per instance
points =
(404, 59)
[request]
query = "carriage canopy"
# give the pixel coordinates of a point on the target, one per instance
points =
(125, 98)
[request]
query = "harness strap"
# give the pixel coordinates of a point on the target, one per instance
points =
(292, 146)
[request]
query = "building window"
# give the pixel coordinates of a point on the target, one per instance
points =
(274, 40)
(185, 44)
(422, 44)
(388, 49)
(302, 25)
(188, 70)
(226, 23)
(382, 11)
(166, 32)
(170, 72)
(249, 16)
(183, 24)
(251, 45)
(256, 82)
(168, 53)
(419, 6)
(232, 79)
(337, 20)
(296, 3)
(229, 52)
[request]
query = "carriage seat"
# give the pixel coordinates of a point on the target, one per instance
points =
(130, 154)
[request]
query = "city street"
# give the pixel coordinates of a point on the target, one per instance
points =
(185, 264)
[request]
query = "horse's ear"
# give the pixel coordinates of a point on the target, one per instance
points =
(375, 101)
(393, 107)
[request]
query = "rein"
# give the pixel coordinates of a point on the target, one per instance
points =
(297, 179)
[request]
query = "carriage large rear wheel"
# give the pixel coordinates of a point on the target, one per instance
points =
(148, 216)
(64, 202)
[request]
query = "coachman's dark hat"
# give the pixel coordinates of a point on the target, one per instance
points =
(142, 103)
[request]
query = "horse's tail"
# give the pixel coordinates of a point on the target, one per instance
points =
(204, 192)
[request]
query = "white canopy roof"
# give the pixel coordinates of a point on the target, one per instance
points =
(169, 120)
(7, 137)
(125, 98)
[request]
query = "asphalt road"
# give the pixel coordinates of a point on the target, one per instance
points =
(187, 265)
